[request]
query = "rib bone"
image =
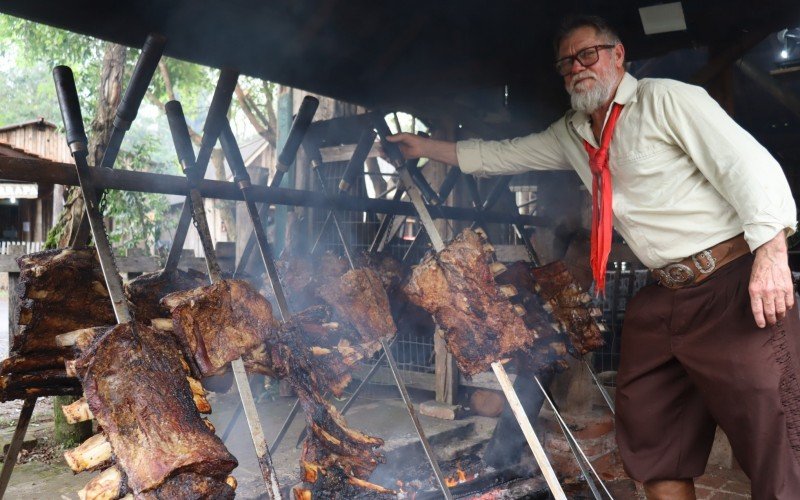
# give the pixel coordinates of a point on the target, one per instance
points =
(105, 486)
(92, 453)
(78, 411)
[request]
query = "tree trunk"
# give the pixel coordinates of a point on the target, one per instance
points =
(69, 435)
(109, 96)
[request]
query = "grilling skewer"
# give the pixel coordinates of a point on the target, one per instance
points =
(295, 137)
(183, 146)
(393, 151)
(297, 132)
(242, 179)
(220, 103)
(577, 452)
(126, 113)
(437, 471)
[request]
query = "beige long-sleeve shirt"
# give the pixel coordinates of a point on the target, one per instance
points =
(685, 175)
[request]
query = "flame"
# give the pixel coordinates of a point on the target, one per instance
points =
(459, 477)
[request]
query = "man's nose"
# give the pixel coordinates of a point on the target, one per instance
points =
(580, 67)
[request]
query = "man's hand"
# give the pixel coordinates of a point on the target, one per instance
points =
(413, 146)
(771, 289)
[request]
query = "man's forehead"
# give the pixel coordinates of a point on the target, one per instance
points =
(579, 38)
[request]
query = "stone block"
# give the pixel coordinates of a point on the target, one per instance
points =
(439, 410)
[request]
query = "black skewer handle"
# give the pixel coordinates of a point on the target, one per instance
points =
(297, 131)
(449, 182)
(356, 163)
(220, 103)
(180, 134)
(391, 149)
(140, 79)
(233, 154)
(70, 107)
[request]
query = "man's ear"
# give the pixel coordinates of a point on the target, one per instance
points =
(619, 51)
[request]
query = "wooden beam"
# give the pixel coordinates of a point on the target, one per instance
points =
(769, 85)
(729, 56)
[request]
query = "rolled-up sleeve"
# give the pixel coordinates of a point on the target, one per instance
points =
(540, 151)
(738, 167)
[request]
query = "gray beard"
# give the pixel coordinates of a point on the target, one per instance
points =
(591, 100)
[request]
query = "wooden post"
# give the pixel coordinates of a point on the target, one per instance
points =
(284, 124)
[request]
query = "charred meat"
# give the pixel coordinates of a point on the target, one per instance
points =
(570, 305)
(59, 291)
(136, 387)
(146, 291)
(479, 322)
(217, 324)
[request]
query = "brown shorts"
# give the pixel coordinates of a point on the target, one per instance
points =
(693, 358)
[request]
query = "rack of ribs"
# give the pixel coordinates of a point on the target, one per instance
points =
(153, 439)
(315, 350)
(479, 322)
(144, 293)
(570, 305)
(59, 291)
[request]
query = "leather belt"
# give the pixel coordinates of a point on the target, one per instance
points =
(697, 268)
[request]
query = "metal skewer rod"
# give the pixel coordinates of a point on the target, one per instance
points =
(126, 112)
(401, 386)
(574, 446)
(76, 138)
(530, 436)
(183, 146)
(576, 449)
(444, 191)
(16, 443)
(494, 196)
(298, 130)
(220, 103)
(545, 466)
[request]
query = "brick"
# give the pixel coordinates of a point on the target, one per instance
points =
(439, 410)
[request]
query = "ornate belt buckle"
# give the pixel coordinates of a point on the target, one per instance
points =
(706, 255)
(676, 275)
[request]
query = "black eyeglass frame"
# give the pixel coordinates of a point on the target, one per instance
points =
(577, 57)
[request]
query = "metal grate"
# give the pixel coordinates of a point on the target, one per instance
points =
(622, 283)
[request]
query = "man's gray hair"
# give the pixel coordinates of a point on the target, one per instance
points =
(600, 25)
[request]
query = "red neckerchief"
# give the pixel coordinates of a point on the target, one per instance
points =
(601, 201)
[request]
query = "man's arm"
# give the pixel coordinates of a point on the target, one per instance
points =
(751, 180)
(771, 288)
(413, 146)
(539, 151)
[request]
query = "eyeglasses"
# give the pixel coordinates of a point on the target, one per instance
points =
(587, 57)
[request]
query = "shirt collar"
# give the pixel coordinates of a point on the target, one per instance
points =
(626, 94)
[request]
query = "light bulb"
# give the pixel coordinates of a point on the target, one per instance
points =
(785, 54)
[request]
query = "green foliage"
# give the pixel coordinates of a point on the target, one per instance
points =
(37, 48)
(138, 217)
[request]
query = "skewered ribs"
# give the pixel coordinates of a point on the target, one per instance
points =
(314, 350)
(59, 291)
(161, 446)
(217, 324)
(145, 292)
(479, 323)
(489, 312)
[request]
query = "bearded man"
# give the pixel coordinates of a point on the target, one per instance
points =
(707, 208)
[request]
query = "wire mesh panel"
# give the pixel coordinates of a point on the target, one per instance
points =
(622, 282)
